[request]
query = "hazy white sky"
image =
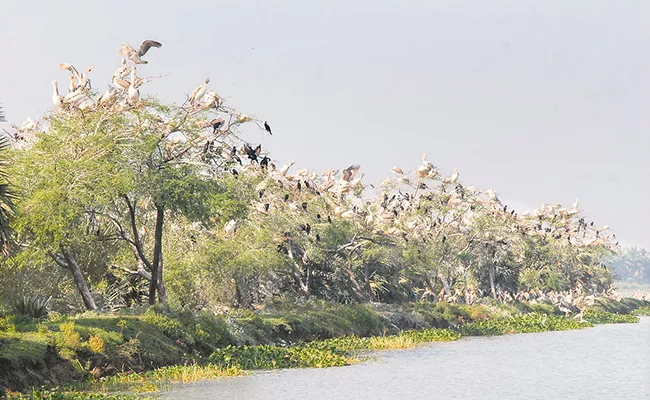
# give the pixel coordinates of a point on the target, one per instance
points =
(544, 101)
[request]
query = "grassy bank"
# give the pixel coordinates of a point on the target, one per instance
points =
(148, 351)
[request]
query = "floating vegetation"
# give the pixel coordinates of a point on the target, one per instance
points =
(642, 311)
(596, 316)
(521, 323)
(58, 394)
(273, 357)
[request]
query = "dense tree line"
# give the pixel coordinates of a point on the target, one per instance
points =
(139, 202)
(631, 264)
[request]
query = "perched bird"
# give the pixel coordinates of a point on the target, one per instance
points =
(216, 124)
(28, 125)
(285, 168)
(231, 226)
(211, 99)
(57, 99)
(134, 55)
(350, 172)
(73, 71)
(106, 98)
(267, 127)
(133, 92)
(197, 94)
(397, 171)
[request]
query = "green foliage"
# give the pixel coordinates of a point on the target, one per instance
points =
(521, 323)
(596, 316)
(272, 357)
(57, 394)
(645, 310)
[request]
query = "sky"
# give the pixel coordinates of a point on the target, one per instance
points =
(543, 101)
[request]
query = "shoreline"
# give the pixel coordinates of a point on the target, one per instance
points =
(339, 350)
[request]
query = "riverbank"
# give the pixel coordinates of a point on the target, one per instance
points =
(95, 349)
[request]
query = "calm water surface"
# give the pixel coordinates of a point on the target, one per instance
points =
(605, 362)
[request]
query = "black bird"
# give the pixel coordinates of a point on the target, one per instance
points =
(317, 237)
(299, 186)
(512, 212)
(592, 223)
(216, 124)
(505, 208)
(265, 162)
(234, 172)
(304, 206)
(261, 193)
(444, 239)
(307, 184)
(193, 239)
(308, 228)
(252, 155)
(318, 216)
(266, 207)
(286, 197)
(268, 128)
(329, 219)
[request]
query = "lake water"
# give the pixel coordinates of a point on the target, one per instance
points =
(605, 362)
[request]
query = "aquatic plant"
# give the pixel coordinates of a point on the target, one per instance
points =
(272, 357)
(596, 316)
(642, 311)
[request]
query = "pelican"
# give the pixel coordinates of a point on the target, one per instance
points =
(397, 171)
(28, 125)
(75, 96)
(285, 168)
(198, 93)
(347, 214)
(425, 168)
(84, 77)
(129, 52)
(492, 195)
(453, 178)
(85, 106)
(576, 204)
(231, 226)
(107, 97)
(134, 93)
(211, 98)
(72, 69)
(57, 99)
(73, 85)
(123, 71)
(121, 83)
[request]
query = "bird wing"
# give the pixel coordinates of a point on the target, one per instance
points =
(72, 70)
(146, 45)
(125, 51)
(258, 149)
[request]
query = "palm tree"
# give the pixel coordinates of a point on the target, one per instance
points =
(7, 196)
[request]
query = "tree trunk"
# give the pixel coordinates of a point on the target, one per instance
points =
(79, 280)
(156, 275)
(297, 272)
(492, 273)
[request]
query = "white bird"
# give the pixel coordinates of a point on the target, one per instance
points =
(347, 214)
(87, 105)
(28, 125)
(285, 168)
(72, 69)
(57, 99)
(134, 93)
(123, 71)
(84, 77)
(75, 96)
(211, 98)
(197, 94)
(576, 204)
(134, 55)
(492, 195)
(453, 178)
(425, 168)
(106, 97)
(231, 226)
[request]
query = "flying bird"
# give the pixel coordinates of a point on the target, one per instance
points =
(134, 55)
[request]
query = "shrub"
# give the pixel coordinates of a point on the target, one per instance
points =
(96, 344)
(69, 338)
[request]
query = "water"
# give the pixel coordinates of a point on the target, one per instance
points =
(605, 362)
